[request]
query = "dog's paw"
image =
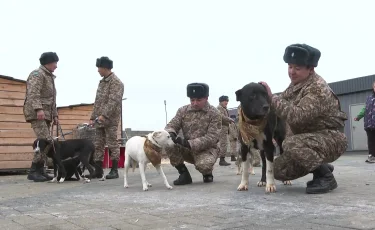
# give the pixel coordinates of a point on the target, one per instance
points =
(145, 188)
(62, 179)
(169, 187)
(87, 180)
(243, 187)
(251, 171)
(270, 188)
(287, 182)
(261, 183)
(149, 185)
(53, 180)
(102, 179)
(126, 186)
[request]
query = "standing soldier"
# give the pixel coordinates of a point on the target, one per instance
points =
(107, 108)
(40, 109)
(200, 123)
(226, 120)
(233, 138)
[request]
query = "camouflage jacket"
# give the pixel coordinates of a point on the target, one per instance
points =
(233, 132)
(224, 116)
(40, 94)
(200, 127)
(310, 106)
(108, 100)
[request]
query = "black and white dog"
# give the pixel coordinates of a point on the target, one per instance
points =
(75, 151)
(258, 125)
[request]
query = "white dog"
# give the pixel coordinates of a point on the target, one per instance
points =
(145, 150)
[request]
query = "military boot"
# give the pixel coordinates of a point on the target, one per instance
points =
(222, 162)
(113, 174)
(34, 174)
(324, 182)
(208, 178)
(184, 177)
(232, 158)
(42, 171)
(331, 168)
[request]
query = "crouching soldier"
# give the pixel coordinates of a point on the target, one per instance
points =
(200, 123)
(40, 109)
(107, 108)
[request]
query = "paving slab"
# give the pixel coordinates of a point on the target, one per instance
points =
(108, 205)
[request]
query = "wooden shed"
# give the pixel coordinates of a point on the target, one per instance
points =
(72, 115)
(16, 135)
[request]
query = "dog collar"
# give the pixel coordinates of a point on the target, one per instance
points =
(250, 129)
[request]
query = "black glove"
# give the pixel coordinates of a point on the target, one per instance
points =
(183, 142)
(173, 136)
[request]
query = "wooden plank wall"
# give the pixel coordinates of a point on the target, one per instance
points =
(16, 135)
(70, 117)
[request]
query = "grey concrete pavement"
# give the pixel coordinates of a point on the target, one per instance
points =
(107, 205)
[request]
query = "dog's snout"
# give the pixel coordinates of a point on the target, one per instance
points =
(266, 107)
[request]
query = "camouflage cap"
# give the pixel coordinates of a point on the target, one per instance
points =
(197, 90)
(48, 57)
(104, 62)
(302, 54)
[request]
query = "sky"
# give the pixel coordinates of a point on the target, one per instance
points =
(158, 47)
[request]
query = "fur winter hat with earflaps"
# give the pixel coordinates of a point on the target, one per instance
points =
(223, 98)
(197, 90)
(104, 62)
(48, 57)
(302, 54)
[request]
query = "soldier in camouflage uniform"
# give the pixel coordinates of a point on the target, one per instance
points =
(315, 119)
(40, 109)
(225, 121)
(107, 108)
(233, 138)
(200, 123)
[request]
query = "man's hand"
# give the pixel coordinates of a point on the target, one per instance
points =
(356, 119)
(101, 118)
(183, 142)
(173, 136)
(40, 114)
(55, 121)
(91, 122)
(267, 88)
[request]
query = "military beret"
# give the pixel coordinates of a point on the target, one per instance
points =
(197, 90)
(104, 62)
(223, 98)
(302, 54)
(48, 57)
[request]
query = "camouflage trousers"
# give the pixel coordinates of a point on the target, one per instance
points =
(233, 148)
(103, 136)
(42, 130)
(223, 141)
(305, 152)
(203, 161)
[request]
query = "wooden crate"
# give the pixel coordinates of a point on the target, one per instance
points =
(16, 135)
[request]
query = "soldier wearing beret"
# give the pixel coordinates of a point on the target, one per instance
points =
(226, 121)
(316, 122)
(107, 108)
(40, 109)
(200, 123)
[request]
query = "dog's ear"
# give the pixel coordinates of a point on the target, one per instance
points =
(238, 95)
(34, 144)
(263, 86)
(156, 134)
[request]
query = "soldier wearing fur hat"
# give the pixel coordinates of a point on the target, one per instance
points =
(40, 108)
(225, 121)
(200, 123)
(315, 119)
(107, 108)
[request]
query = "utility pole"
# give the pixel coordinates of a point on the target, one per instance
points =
(165, 107)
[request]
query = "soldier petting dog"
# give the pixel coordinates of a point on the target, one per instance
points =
(40, 109)
(107, 108)
(315, 119)
(226, 121)
(200, 123)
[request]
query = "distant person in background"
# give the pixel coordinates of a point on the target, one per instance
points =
(225, 121)
(233, 138)
(40, 109)
(368, 112)
(107, 108)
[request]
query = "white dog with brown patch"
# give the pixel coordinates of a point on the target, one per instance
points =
(144, 150)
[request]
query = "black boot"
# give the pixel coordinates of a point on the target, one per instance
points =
(184, 177)
(232, 158)
(113, 174)
(34, 173)
(222, 162)
(208, 178)
(331, 168)
(324, 182)
(42, 171)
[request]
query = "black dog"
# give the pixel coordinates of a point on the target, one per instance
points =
(258, 125)
(69, 151)
(72, 167)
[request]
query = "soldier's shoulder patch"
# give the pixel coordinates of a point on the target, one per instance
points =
(35, 73)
